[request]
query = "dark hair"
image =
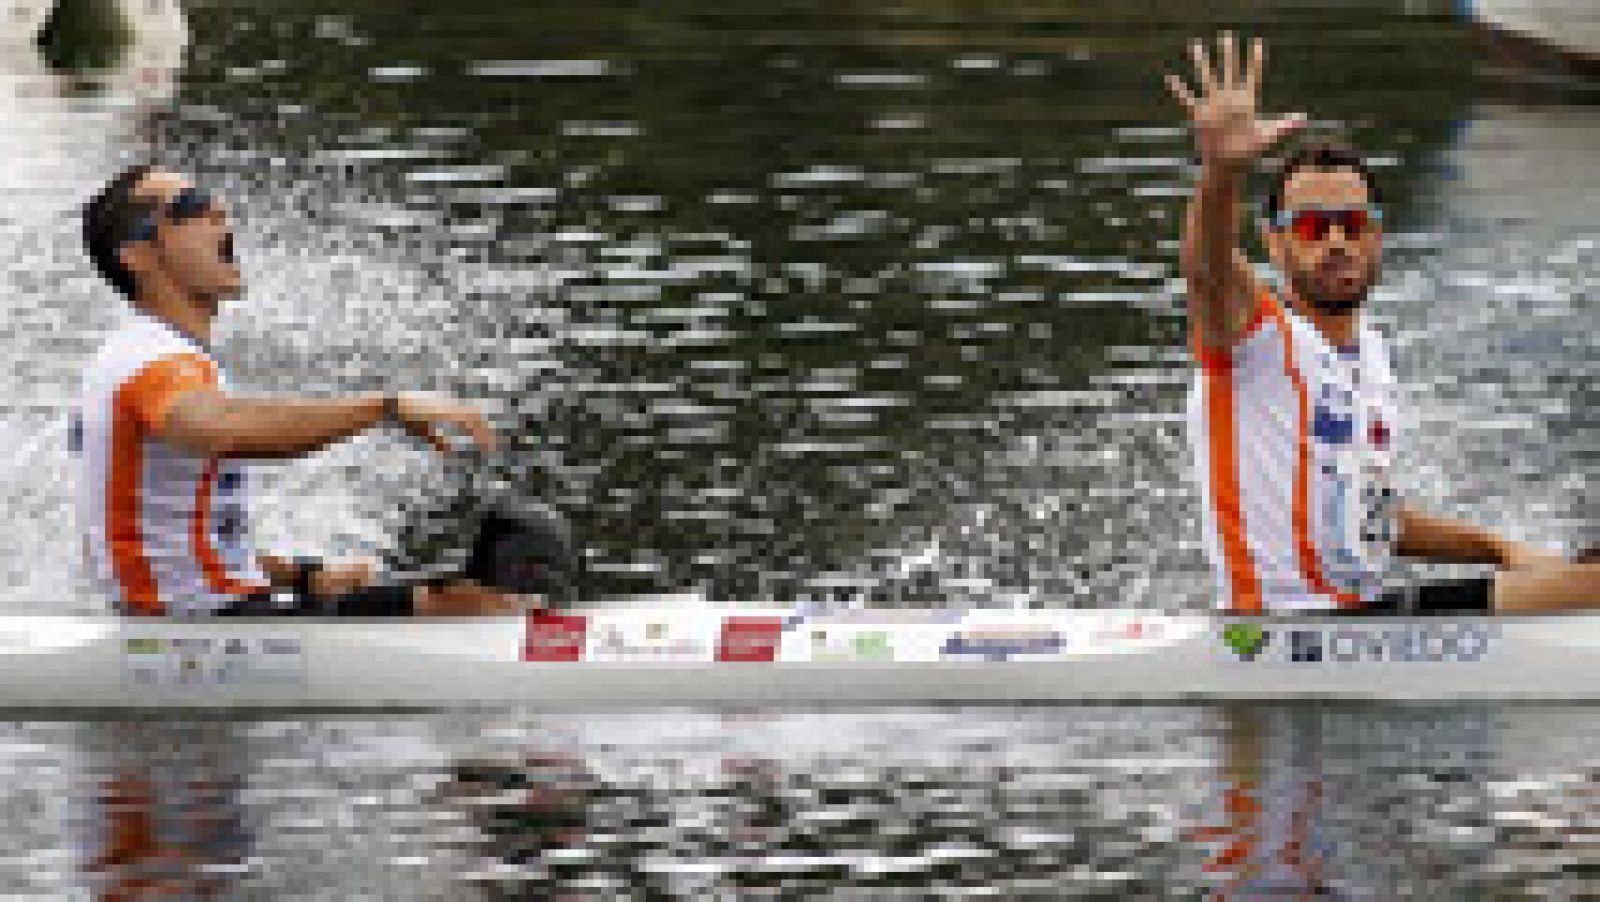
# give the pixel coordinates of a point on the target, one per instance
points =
(1321, 155)
(526, 548)
(107, 221)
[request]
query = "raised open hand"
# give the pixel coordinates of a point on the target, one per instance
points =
(1229, 129)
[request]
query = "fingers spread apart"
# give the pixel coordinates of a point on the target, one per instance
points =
(1232, 74)
(1180, 91)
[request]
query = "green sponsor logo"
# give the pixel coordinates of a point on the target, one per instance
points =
(873, 646)
(1246, 639)
(866, 645)
(143, 646)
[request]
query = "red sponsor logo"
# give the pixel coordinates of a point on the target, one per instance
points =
(1141, 630)
(1137, 629)
(554, 637)
(1131, 631)
(750, 639)
(1378, 434)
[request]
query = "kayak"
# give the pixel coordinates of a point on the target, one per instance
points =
(767, 655)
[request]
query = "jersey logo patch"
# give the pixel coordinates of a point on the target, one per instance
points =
(1332, 429)
(1378, 434)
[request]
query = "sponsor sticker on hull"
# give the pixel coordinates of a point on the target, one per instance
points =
(683, 637)
(848, 644)
(1132, 631)
(1003, 642)
(165, 662)
(750, 639)
(554, 637)
(1335, 644)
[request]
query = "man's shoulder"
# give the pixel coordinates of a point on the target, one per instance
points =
(136, 341)
(1259, 338)
(138, 352)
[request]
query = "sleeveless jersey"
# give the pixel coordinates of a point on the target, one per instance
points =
(1291, 439)
(164, 531)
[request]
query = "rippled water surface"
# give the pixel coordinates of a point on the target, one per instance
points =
(1354, 802)
(815, 299)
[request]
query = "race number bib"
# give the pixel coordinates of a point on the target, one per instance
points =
(1379, 505)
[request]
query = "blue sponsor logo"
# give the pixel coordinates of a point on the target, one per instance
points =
(1001, 643)
(1332, 429)
(1333, 420)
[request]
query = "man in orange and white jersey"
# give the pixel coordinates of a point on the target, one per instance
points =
(1292, 410)
(162, 443)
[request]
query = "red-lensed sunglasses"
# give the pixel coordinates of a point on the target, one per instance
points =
(1314, 223)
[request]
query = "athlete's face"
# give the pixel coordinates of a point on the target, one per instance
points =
(191, 248)
(1331, 260)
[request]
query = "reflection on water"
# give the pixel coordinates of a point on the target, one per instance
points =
(1354, 802)
(159, 811)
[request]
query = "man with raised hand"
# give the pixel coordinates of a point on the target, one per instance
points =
(1292, 408)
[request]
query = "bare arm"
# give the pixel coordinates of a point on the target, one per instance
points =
(330, 578)
(280, 571)
(212, 424)
(1222, 289)
(1441, 539)
(1231, 135)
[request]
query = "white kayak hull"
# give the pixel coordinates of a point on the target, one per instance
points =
(74, 665)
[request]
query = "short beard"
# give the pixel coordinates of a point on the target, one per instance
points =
(1338, 307)
(1305, 287)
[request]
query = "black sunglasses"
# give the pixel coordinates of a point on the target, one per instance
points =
(190, 203)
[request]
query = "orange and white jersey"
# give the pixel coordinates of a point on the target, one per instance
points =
(164, 531)
(1292, 440)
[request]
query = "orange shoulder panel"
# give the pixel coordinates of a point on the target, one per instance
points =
(1213, 358)
(149, 394)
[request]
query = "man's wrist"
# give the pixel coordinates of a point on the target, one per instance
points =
(305, 571)
(1229, 170)
(390, 408)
